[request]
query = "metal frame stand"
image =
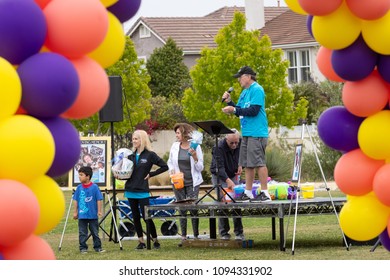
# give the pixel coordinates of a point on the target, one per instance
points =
(298, 190)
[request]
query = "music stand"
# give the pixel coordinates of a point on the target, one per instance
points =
(214, 128)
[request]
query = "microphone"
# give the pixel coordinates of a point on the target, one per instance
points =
(229, 91)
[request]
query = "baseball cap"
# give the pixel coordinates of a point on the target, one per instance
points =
(244, 70)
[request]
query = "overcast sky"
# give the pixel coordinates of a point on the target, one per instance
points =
(178, 8)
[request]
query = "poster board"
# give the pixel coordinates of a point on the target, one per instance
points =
(296, 174)
(95, 152)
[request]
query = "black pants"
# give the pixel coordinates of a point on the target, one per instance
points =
(137, 209)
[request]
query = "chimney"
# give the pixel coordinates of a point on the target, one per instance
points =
(254, 13)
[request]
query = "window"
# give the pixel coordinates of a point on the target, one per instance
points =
(144, 32)
(299, 69)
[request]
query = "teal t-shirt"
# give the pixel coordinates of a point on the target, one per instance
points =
(253, 126)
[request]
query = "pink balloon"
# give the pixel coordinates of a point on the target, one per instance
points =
(366, 97)
(369, 10)
(320, 7)
(325, 65)
(354, 172)
(75, 28)
(19, 212)
(382, 184)
(32, 248)
(94, 89)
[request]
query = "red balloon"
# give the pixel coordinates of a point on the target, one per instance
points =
(19, 212)
(367, 96)
(74, 27)
(325, 65)
(320, 7)
(32, 248)
(354, 172)
(42, 3)
(94, 89)
(382, 184)
(369, 10)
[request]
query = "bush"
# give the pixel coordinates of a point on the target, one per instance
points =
(279, 164)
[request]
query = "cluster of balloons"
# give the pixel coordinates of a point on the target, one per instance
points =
(53, 55)
(355, 49)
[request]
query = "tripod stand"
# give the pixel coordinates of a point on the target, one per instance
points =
(297, 179)
(215, 128)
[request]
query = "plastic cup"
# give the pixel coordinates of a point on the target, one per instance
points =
(177, 180)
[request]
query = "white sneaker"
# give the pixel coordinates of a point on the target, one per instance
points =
(240, 237)
(225, 237)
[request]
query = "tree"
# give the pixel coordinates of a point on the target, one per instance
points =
(212, 75)
(321, 96)
(169, 75)
(136, 95)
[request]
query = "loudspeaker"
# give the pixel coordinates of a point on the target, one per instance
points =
(113, 110)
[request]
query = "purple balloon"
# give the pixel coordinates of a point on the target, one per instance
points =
(67, 145)
(355, 62)
(22, 29)
(384, 67)
(338, 129)
(125, 9)
(385, 239)
(50, 84)
(309, 21)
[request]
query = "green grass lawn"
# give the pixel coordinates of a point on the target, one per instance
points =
(317, 238)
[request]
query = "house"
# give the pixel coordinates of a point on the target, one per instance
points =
(286, 29)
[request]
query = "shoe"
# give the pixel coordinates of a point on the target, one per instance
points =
(100, 250)
(156, 245)
(181, 242)
(225, 237)
(240, 237)
(243, 198)
(262, 197)
(83, 251)
(140, 246)
(196, 237)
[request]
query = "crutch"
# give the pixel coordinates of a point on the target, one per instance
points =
(66, 221)
(113, 217)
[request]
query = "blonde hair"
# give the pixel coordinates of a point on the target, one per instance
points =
(145, 141)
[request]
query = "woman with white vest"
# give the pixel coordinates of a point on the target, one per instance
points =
(188, 161)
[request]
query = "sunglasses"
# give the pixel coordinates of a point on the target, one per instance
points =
(233, 143)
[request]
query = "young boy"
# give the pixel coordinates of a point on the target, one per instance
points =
(87, 201)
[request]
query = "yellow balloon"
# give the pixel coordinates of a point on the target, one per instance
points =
(374, 135)
(376, 34)
(10, 89)
(108, 3)
(26, 148)
(113, 45)
(295, 7)
(337, 30)
(364, 217)
(51, 203)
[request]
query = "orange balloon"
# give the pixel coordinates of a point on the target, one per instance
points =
(74, 27)
(325, 64)
(19, 212)
(349, 169)
(32, 248)
(94, 89)
(367, 96)
(382, 184)
(320, 7)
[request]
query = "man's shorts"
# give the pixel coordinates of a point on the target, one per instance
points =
(252, 151)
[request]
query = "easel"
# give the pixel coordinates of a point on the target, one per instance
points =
(297, 179)
(214, 128)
